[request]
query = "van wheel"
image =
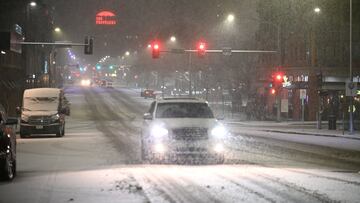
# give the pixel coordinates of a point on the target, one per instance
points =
(63, 130)
(60, 132)
(23, 135)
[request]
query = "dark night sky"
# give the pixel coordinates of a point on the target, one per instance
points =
(144, 19)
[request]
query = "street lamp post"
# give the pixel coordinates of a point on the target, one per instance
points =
(351, 119)
(230, 18)
(190, 63)
(278, 92)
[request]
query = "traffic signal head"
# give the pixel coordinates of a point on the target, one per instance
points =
(278, 78)
(89, 43)
(272, 91)
(201, 49)
(155, 50)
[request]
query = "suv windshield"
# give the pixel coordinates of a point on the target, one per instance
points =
(183, 110)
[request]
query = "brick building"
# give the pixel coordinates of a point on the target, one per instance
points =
(31, 68)
(314, 53)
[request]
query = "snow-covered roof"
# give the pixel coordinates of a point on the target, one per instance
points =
(180, 100)
(42, 92)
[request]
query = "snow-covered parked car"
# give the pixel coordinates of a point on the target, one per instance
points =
(43, 112)
(182, 130)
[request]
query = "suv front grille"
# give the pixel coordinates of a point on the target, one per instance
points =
(190, 133)
(39, 120)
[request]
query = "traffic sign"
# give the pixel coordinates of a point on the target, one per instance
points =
(302, 93)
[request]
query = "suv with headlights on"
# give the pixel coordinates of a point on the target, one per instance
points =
(182, 130)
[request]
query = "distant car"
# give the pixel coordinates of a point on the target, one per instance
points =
(106, 83)
(7, 145)
(86, 82)
(148, 94)
(43, 112)
(177, 129)
(109, 84)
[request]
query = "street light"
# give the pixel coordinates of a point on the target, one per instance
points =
(127, 53)
(173, 39)
(317, 10)
(33, 4)
(57, 29)
(230, 18)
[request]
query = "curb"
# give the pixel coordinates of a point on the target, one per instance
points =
(311, 134)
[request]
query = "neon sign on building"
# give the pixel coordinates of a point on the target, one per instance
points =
(105, 18)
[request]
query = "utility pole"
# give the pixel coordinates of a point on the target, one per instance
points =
(190, 89)
(351, 119)
(278, 91)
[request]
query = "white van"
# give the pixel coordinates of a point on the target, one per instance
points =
(43, 112)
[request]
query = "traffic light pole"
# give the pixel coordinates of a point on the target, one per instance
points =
(190, 89)
(278, 104)
(351, 119)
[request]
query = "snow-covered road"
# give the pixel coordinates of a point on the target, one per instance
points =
(98, 160)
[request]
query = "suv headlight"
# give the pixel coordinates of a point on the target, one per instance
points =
(219, 131)
(55, 117)
(24, 118)
(159, 131)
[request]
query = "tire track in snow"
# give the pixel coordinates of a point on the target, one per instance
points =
(246, 188)
(126, 100)
(177, 189)
(319, 196)
(123, 148)
(292, 192)
(152, 185)
(355, 183)
(262, 148)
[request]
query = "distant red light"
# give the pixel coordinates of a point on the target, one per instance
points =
(273, 91)
(202, 46)
(155, 49)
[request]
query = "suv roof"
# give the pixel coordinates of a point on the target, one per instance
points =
(42, 92)
(181, 99)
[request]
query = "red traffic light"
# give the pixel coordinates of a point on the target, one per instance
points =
(272, 91)
(202, 46)
(278, 77)
(155, 50)
(201, 49)
(156, 46)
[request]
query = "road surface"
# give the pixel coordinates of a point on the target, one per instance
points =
(98, 160)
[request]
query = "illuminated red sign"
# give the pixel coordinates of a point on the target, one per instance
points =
(105, 18)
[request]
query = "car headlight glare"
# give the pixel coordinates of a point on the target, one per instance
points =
(159, 131)
(219, 148)
(159, 148)
(55, 117)
(85, 82)
(219, 131)
(25, 118)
